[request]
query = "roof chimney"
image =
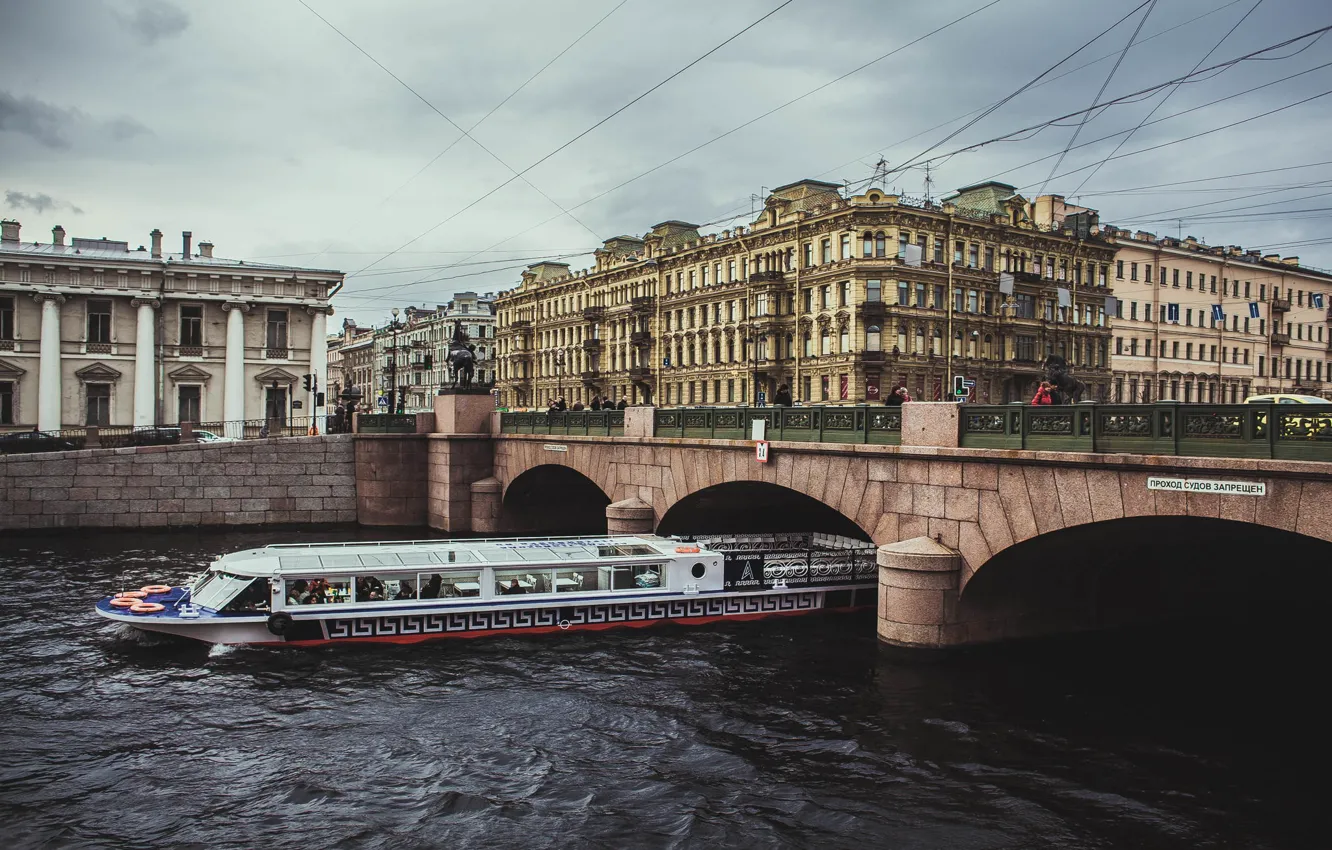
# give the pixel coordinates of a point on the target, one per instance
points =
(206, 250)
(1271, 258)
(185, 237)
(58, 235)
(157, 242)
(1291, 261)
(9, 230)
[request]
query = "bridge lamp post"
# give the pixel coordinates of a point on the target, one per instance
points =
(394, 327)
(749, 339)
(559, 374)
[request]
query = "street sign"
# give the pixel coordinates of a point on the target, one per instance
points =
(762, 399)
(761, 451)
(758, 429)
(962, 387)
(383, 402)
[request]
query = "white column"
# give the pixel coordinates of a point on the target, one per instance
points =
(48, 373)
(319, 363)
(145, 384)
(233, 380)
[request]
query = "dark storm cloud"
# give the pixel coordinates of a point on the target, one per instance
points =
(152, 20)
(53, 126)
(31, 117)
(39, 203)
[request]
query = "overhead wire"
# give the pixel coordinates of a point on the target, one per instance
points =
(752, 121)
(580, 135)
(1101, 93)
(467, 134)
(1162, 101)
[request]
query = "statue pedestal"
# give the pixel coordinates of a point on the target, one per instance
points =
(463, 411)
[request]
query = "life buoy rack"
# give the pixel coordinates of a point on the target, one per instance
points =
(151, 589)
(146, 608)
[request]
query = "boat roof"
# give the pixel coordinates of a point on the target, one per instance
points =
(438, 555)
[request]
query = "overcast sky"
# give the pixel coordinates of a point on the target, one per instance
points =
(258, 127)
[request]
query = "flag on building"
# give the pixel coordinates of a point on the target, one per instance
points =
(1111, 306)
(913, 255)
(1253, 309)
(1172, 312)
(1005, 283)
(1065, 298)
(1218, 313)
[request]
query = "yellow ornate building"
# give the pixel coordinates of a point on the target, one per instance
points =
(838, 298)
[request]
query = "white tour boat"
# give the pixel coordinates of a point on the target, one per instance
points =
(403, 592)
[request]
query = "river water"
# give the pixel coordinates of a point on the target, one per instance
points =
(795, 733)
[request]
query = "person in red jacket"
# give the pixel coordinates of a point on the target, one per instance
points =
(1043, 394)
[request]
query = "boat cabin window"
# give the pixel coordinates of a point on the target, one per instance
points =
(217, 588)
(530, 580)
(573, 580)
(318, 590)
(386, 586)
(647, 575)
(253, 599)
(449, 585)
(622, 550)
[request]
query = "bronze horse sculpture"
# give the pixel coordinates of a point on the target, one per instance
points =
(462, 363)
(1067, 389)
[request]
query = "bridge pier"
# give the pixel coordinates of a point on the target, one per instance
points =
(918, 592)
(631, 516)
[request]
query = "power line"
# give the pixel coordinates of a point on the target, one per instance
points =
(748, 123)
(454, 124)
(1100, 94)
(1137, 95)
(636, 99)
(1042, 84)
(467, 133)
(995, 107)
(1168, 95)
(1209, 179)
(1161, 120)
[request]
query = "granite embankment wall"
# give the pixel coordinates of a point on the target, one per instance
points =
(256, 482)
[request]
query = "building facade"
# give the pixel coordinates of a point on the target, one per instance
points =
(342, 370)
(1215, 324)
(410, 354)
(838, 298)
(93, 333)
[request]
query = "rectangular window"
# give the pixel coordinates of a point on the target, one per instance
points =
(1026, 306)
(846, 246)
(99, 404)
(844, 293)
(939, 303)
(730, 271)
(973, 256)
(1133, 271)
(1026, 348)
(903, 239)
(1119, 269)
(6, 318)
(1133, 310)
(277, 330)
(1147, 273)
(1174, 278)
(191, 325)
(6, 403)
(809, 254)
(824, 292)
(99, 322)
(938, 250)
(989, 259)
(973, 301)
(1188, 280)
(808, 298)
(958, 248)
(189, 404)
(826, 250)
(873, 291)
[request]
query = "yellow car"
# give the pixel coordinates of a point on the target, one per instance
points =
(1285, 398)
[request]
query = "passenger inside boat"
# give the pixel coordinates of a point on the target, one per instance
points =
(298, 592)
(369, 589)
(253, 598)
(430, 590)
(405, 591)
(513, 587)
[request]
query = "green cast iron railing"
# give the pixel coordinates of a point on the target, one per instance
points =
(878, 425)
(1281, 431)
(588, 423)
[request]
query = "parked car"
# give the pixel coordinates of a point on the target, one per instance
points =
(24, 442)
(1285, 398)
(154, 437)
(210, 437)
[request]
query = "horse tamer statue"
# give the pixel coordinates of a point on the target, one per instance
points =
(1067, 389)
(462, 363)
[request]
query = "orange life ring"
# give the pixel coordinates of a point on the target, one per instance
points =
(156, 588)
(146, 608)
(131, 594)
(121, 602)
(689, 550)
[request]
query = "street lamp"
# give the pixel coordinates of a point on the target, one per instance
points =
(749, 339)
(559, 375)
(395, 401)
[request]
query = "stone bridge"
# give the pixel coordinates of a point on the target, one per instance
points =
(975, 544)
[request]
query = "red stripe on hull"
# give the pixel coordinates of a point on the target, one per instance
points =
(587, 627)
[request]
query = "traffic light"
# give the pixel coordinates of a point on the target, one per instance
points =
(959, 387)
(430, 361)
(306, 381)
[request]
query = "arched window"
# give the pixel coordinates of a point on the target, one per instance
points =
(880, 244)
(957, 343)
(867, 244)
(874, 338)
(987, 350)
(920, 342)
(936, 343)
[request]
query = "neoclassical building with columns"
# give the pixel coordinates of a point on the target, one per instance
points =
(93, 332)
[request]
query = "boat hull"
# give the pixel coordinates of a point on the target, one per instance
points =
(514, 619)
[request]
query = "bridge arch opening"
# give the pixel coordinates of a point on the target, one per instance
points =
(554, 499)
(1141, 570)
(755, 507)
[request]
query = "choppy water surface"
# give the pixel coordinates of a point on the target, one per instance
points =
(798, 733)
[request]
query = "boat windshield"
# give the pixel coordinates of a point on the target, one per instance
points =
(218, 588)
